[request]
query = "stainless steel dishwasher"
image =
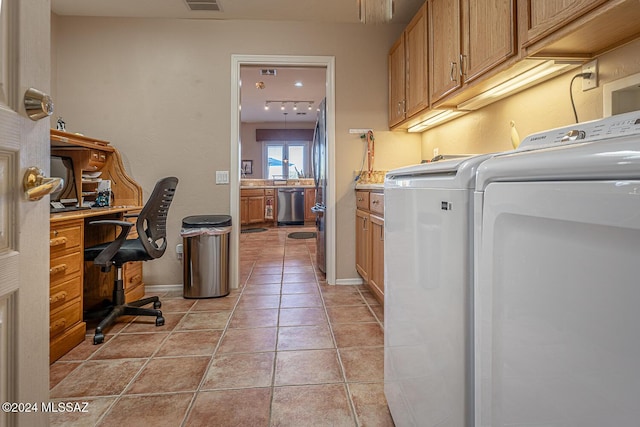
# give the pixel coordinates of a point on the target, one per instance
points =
(290, 206)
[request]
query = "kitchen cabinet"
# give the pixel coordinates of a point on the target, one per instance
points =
(362, 244)
(252, 205)
(408, 73)
(462, 53)
(489, 36)
(370, 240)
(309, 202)
(579, 29)
(546, 16)
(376, 268)
(444, 48)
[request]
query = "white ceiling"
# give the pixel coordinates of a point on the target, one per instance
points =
(279, 87)
(345, 11)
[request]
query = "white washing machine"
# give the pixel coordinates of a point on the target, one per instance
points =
(428, 275)
(557, 288)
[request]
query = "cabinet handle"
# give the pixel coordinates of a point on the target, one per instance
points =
(360, 199)
(364, 224)
(60, 296)
(381, 234)
(57, 269)
(57, 241)
(463, 65)
(404, 107)
(58, 325)
(375, 202)
(452, 72)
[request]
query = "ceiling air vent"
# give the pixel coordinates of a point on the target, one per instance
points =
(268, 72)
(208, 5)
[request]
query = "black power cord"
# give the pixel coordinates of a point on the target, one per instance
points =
(573, 105)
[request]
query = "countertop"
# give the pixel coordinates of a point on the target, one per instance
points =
(259, 187)
(375, 186)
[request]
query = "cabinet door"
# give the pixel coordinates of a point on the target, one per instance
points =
(256, 209)
(417, 83)
(244, 210)
(376, 269)
(489, 34)
(444, 47)
(362, 244)
(396, 82)
(547, 16)
(309, 202)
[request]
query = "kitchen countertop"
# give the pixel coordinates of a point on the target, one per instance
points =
(259, 187)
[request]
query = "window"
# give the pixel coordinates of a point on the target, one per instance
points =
(287, 160)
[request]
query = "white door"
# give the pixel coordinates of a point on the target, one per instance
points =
(24, 225)
(557, 304)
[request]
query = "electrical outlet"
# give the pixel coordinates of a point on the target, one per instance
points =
(436, 151)
(591, 82)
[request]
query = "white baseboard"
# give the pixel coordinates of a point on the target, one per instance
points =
(156, 289)
(352, 281)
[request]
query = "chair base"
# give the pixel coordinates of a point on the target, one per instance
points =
(133, 308)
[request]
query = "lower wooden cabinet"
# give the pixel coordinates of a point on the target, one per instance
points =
(252, 206)
(376, 270)
(363, 246)
(370, 240)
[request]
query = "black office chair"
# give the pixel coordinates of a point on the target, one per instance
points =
(150, 244)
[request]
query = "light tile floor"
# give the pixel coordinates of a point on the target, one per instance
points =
(284, 350)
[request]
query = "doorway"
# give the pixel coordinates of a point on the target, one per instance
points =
(237, 61)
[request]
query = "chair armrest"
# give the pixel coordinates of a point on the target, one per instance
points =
(131, 214)
(107, 254)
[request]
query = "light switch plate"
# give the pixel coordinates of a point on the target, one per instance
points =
(222, 177)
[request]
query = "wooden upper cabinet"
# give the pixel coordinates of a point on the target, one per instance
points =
(579, 29)
(444, 48)
(540, 18)
(396, 82)
(408, 81)
(489, 35)
(416, 84)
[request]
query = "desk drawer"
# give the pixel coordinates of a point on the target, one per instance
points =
(65, 236)
(377, 202)
(65, 292)
(62, 267)
(64, 318)
(362, 200)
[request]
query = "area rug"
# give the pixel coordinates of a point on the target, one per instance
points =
(252, 230)
(302, 235)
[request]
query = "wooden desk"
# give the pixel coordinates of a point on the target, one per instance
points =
(75, 285)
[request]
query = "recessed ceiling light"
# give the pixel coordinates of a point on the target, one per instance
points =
(298, 84)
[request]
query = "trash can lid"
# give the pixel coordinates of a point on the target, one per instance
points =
(200, 221)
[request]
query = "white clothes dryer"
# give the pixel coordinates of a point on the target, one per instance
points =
(557, 293)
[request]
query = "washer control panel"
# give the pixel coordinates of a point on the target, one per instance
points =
(609, 127)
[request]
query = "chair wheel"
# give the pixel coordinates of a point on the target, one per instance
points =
(157, 305)
(159, 321)
(98, 338)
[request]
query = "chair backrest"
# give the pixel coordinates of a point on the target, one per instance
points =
(152, 221)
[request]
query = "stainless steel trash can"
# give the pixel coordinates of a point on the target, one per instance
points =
(205, 240)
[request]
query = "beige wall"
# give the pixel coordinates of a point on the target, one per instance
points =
(159, 90)
(543, 107)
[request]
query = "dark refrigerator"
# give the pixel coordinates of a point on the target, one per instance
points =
(319, 162)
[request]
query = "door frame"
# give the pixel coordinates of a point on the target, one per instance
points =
(274, 61)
